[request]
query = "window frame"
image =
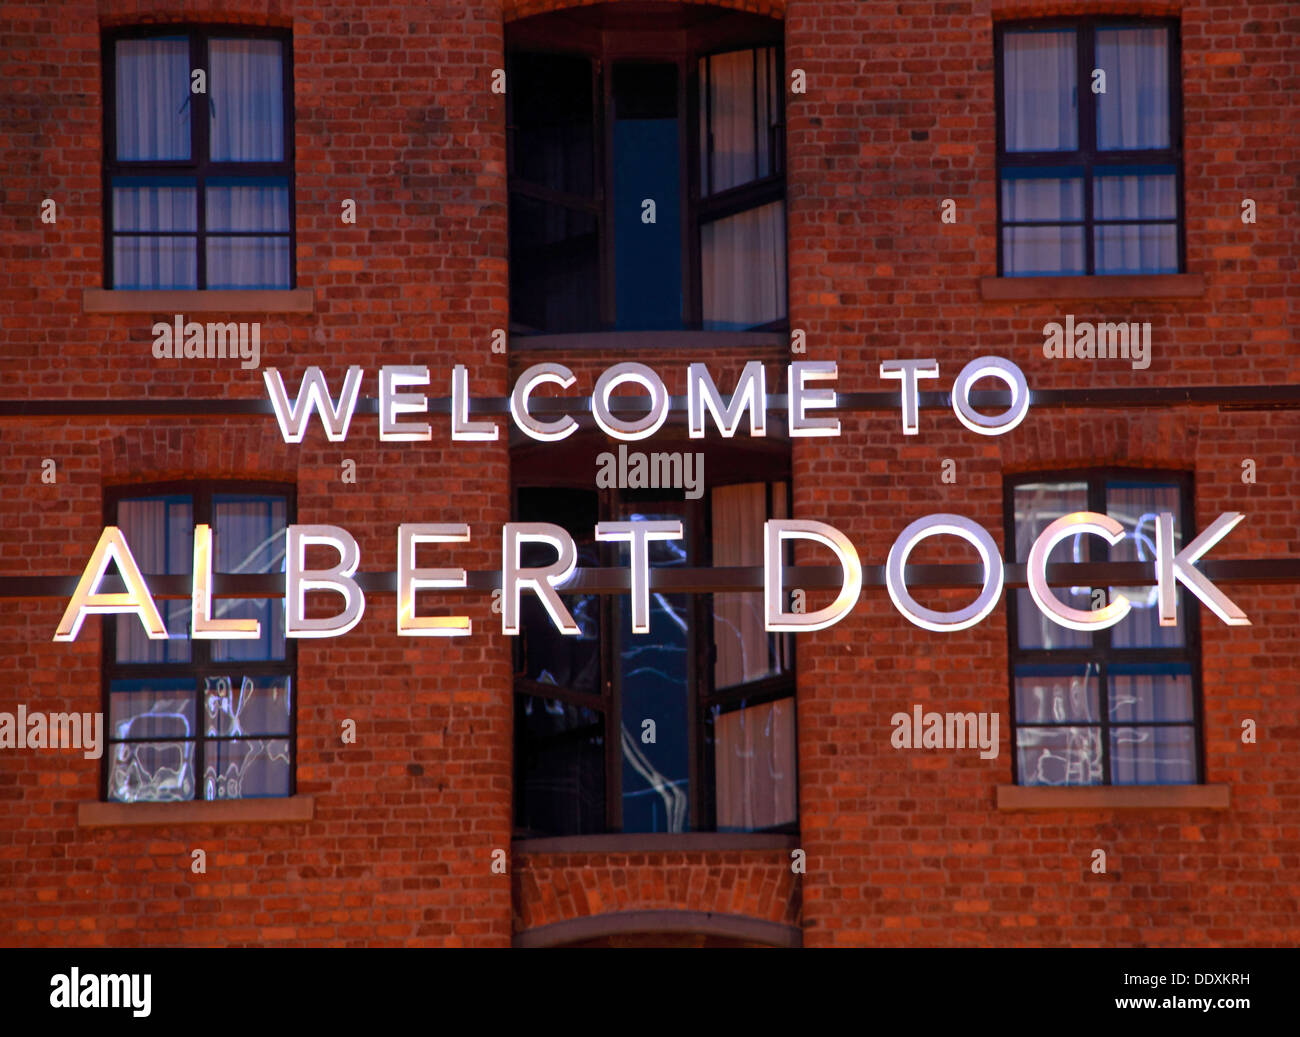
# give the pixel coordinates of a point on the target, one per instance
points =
(1101, 651)
(770, 465)
(1087, 155)
(200, 664)
(639, 36)
(199, 165)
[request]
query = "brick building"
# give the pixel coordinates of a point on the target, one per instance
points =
(799, 157)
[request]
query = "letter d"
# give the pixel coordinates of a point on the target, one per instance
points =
(776, 532)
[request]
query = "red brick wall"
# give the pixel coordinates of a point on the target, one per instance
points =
(393, 109)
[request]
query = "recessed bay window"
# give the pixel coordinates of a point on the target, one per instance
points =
(688, 727)
(646, 168)
(198, 158)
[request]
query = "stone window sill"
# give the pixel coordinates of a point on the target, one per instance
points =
(1142, 286)
(220, 812)
(288, 300)
(684, 842)
(1113, 797)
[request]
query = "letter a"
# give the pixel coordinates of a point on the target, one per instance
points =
(86, 599)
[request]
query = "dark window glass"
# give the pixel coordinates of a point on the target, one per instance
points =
(201, 719)
(1089, 167)
(1117, 706)
(595, 136)
(647, 255)
(199, 184)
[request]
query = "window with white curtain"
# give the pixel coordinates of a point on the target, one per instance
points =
(607, 111)
(198, 186)
(1089, 147)
(200, 719)
(1119, 706)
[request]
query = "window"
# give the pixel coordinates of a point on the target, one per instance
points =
(646, 168)
(198, 187)
(1090, 182)
(718, 688)
(1120, 706)
(200, 719)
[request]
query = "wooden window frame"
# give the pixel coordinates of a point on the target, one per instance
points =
(200, 664)
(1087, 155)
(1102, 650)
(198, 166)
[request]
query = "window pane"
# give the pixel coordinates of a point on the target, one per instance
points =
(1057, 694)
(554, 267)
(1038, 505)
(736, 118)
(1134, 110)
(553, 121)
(152, 95)
(154, 262)
(1059, 755)
(654, 670)
(249, 531)
(1033, 194)
(742, 259)
(151, 772)
(754, 760)
(160, 532)
(248, 262)
(1153, 755)
(1135, 505)
(646, 165)
(252, 203)
(1151, 692)
(1135, 193)
(744, 650)
(246, 85)
(247, 705)
(1129, 248)
(246, 768)
(1034, 251)
(157, 708)
(560, 761)
(1039, 82)
(154, 203)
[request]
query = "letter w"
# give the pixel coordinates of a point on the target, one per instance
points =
(313, 394)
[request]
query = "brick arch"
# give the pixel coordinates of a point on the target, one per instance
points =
(662, 928)
(115, 13)
(156, 453)
(1137, 439)
(515, 9)
(1008, 9)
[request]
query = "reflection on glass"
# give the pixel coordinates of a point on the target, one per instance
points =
(560, 761)
(654, 674)
(1059, 755)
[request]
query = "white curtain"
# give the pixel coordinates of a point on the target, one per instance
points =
(247, 100)
(154, 204)
(739, 512)
(1134, 110)
(739, 112)
(161, 536)
(153, 99)
(1038, 87)
(755, 766)
(742, 258)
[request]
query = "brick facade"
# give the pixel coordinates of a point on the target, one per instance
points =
(394, 109)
